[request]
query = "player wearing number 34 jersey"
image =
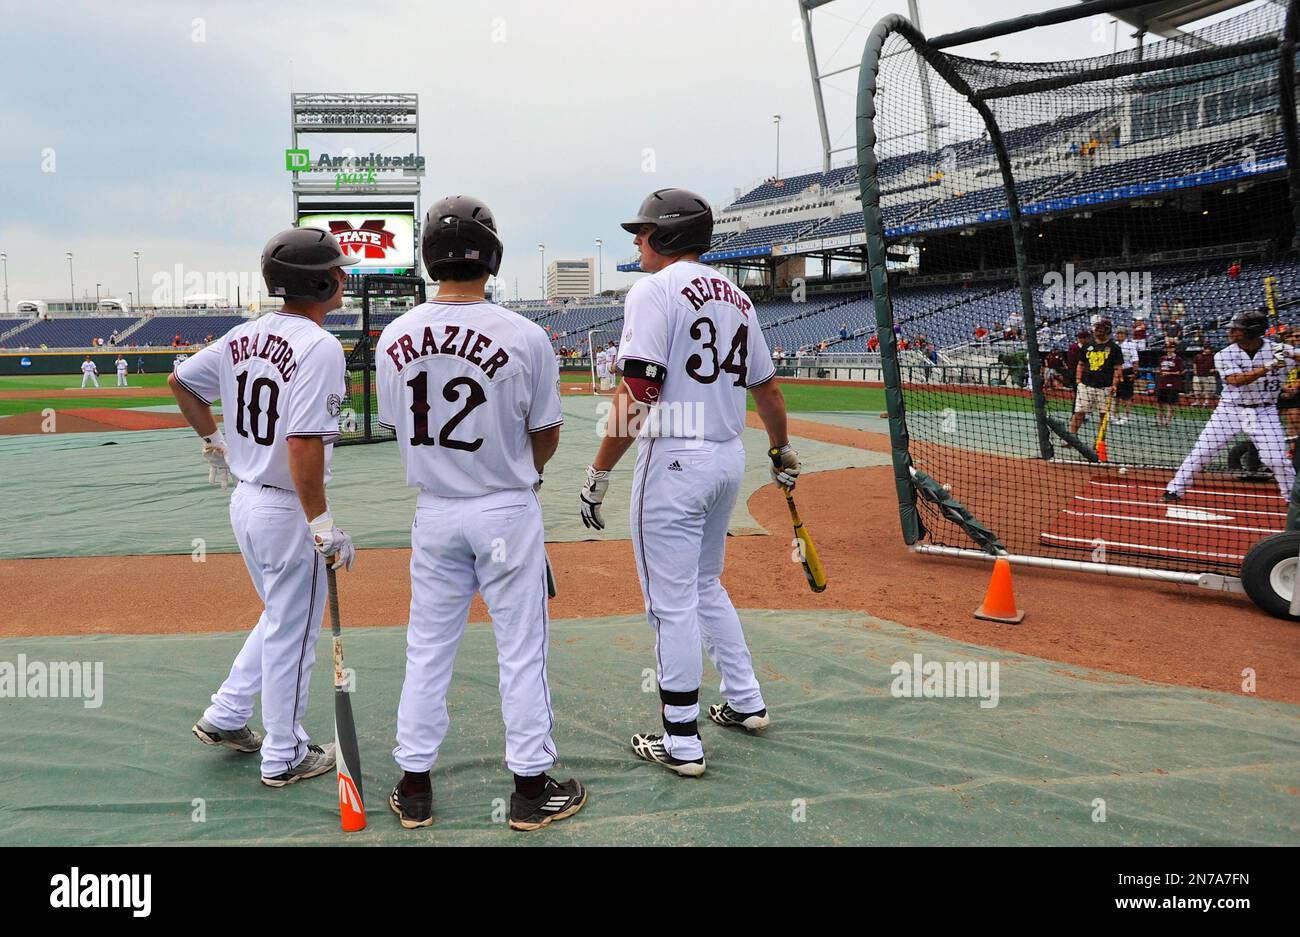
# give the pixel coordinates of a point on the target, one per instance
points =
(280, 379)
(472, 391)
(690, 353)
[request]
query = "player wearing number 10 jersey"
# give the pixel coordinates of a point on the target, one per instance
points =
(472, 391)
(280, 379)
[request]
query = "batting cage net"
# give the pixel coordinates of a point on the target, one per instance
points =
(383, 299)
(1057, 249)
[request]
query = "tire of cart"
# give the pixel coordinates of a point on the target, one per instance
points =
(1270, 573)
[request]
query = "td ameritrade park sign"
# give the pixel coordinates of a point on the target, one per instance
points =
(353, 169)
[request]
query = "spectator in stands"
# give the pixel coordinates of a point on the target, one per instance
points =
(1174, 329)
(821, 347)
(873, 344)
(176, 342)
(1204, 386)
(1124, 393)
(1012, 327)
(1140, 333)
(1169, 383)
(1180, 309)
(209, 339)
(1234, 270)
(981, 334)
(844, 331)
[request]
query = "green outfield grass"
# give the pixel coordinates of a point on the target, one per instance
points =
(36, 404)
(64, 381)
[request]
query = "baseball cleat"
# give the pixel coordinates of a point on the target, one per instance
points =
(651, 748)
(724, 715)
(242, 739)
(414, 810)
(1169, 497)
(316, 762)
(557, 801)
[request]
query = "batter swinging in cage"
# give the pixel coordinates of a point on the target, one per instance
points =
(1253, 372)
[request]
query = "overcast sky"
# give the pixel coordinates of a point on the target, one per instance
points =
(165, 123)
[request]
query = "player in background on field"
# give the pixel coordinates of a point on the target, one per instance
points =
(691, 350)
(280, 378)
(472, 391)
(1097, 374)
(88, 372)
(1169, 383)
(1128, 374)
(122, 367)
(1254, 373)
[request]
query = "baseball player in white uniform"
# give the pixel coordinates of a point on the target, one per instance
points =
(472, 392)
(88, 372)
(691, 348)
(1254, 373)
(280, 379)
(121, 366)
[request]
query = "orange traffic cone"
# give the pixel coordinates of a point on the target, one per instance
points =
(1000, 600)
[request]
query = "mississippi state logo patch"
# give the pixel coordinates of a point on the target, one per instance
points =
(334, 404)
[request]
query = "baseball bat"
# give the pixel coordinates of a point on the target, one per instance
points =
(1100, 446)
(352, 805)
(550, 578)
(811, 560)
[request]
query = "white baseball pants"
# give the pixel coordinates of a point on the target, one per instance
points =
(121, 378)
(277, 657)
(683, 491)
(1264, 428)
(493, 544)
(87, 376)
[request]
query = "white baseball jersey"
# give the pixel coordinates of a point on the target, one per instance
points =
(121, 365)
(1129, 349)
(702, 328)
(1233, 359)
(88, 367)
(277, 376)
(462, 385)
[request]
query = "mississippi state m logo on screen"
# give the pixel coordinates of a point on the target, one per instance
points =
(372, 240)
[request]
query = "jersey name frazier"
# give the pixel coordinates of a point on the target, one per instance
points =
(274, 349)
(465, 343)
(707, 288)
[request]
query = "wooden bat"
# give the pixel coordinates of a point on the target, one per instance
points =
(1101, 430)
(352, 806)
(812, 563)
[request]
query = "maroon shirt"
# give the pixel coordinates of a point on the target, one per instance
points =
(1170, 372)
(1204, 363)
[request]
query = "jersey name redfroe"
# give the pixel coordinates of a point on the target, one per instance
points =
(707, 288)
(274, 349)
(471, 348)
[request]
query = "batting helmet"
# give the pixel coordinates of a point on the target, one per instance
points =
(296, 264)
(459, 229)
(1251, 322)
(683, 221)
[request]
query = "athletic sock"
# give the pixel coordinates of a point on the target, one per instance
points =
(531, 787)
(416, 782)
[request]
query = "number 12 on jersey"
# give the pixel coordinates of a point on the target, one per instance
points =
(421, 410)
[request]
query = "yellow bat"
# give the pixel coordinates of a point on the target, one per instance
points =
(812, 563)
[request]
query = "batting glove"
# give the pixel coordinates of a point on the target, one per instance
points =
(214, 451)
(332, 542)
(593, 495)
(785, 466)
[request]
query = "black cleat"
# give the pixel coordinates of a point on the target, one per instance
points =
(414, 810)
(651, 748)
(1169, 497)
(556, 801)
(242, 739)
(724, 715)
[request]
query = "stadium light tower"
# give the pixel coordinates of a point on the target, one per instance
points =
(776, 119)
(138, 294)
(4, 260)
(541, 250)
(71, 284)
(600, 272)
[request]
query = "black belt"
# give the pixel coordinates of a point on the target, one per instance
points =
(1253, 406)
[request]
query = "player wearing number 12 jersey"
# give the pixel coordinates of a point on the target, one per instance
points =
(691, 350)
(472, 391)
(280, 379)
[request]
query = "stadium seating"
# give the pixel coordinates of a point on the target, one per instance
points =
(193, 330)
(69, 332)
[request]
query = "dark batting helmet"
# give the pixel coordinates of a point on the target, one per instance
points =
(296, 264)
(1251, 322)
(459, 229)
(683, 221)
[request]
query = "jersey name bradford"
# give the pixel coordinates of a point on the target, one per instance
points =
(274, 349)
(708, 288)
(465, 343)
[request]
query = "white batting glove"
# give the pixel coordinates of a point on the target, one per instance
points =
(332, 542)
(785, 467)
(214, 451)
(593, 495)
